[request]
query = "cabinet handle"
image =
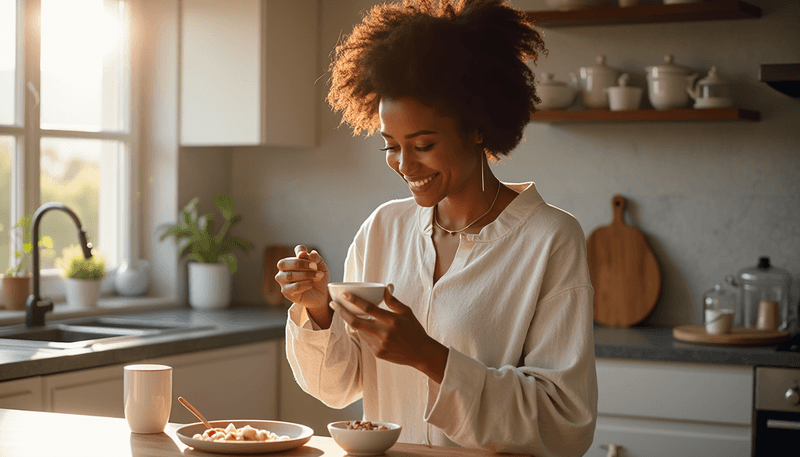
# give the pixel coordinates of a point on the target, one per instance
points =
(613, 449)
(788, 425)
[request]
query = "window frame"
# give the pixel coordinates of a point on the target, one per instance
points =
(27, 131)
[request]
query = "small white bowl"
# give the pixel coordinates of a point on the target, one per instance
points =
(623, 98)
(364, 442)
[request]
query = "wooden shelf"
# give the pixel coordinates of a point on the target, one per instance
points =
(684, 114)
(644, 14)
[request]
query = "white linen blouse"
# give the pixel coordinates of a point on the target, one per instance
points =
(514, 309)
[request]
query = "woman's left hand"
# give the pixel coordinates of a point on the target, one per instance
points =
(395, 335)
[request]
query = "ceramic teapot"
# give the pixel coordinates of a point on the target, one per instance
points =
(667, 84)
(711, 91)
(593, 83)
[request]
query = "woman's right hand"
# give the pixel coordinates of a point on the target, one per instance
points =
(304, 280)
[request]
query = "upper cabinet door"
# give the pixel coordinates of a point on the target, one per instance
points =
(248, 72)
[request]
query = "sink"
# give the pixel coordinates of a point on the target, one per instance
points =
(87, 333)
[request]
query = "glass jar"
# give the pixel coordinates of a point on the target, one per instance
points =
(764, 282)
(720, 300)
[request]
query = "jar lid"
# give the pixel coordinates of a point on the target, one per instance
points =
(668, 67)
(766, 274)
(601, 67)
(713, 78)
(547, 80)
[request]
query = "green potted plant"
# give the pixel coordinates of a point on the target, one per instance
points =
(82, 276)
(17, 278)
(210, 251)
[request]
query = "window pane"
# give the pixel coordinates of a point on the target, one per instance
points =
(8, 60)
(84, 65)
(6, 154)
(84, 175)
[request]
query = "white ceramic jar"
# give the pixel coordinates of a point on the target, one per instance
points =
(554, 94)
(667, 84)
(593, 83)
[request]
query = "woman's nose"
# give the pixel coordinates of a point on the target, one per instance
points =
(406, 162)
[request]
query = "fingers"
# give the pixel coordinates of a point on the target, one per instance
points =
(294, 291)
(301, 250)
(394, 304)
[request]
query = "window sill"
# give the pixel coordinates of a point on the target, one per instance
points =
(106, 305)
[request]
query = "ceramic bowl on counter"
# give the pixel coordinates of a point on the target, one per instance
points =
(363, 441)
(554, 94)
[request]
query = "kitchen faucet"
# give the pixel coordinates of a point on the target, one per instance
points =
(36, 307)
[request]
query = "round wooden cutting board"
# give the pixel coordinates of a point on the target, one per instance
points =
(738, 336)
(624, 272)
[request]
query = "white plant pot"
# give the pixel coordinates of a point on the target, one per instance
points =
(82, 293)
(209, 285)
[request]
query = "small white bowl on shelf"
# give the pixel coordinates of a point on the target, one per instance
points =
(364, 442)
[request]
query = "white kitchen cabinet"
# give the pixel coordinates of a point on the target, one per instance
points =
(22, 394)
(655, 409)
(96, 391)
(247, 72)
(237, 382)
(301, 408)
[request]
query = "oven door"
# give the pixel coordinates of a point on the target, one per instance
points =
(776, 421)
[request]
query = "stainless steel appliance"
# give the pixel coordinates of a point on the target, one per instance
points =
(776, 415)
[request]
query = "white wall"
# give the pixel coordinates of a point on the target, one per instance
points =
(711, 197)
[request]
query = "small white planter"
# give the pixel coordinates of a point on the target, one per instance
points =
(82, 293)
(209, 285)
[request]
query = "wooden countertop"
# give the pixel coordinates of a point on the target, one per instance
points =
(38, 434)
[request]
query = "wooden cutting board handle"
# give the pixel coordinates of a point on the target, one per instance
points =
(624, 272)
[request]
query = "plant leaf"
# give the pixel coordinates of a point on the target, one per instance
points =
(240, 243)
(230, 262)
(47, 242)
(225, 204)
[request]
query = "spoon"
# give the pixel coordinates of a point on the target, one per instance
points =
(194, 411)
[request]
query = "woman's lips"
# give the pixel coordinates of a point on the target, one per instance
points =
(420, 184)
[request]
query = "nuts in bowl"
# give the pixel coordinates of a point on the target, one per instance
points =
(364, 437)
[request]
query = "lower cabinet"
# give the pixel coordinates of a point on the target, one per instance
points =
(96, 391)
(22, 394)
(237, 382)
(301, 408)
(667, 408)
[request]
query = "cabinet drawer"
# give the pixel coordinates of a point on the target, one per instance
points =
(671, 390)
(668, 438)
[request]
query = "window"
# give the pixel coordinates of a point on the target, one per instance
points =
(65, 130)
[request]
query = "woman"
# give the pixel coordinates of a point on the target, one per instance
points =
(487, 339)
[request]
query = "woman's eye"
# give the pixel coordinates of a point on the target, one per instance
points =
(389, 148)
(424, 148)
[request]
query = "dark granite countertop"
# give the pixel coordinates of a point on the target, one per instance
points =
(216, 329)
(235, 326)
(657, 344)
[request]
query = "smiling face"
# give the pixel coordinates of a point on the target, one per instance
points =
(429, 151)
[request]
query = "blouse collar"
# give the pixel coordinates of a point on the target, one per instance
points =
(512, 216)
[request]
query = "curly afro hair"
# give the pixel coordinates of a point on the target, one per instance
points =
(468, 58)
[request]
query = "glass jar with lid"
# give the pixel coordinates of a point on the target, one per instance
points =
(764, 282)
(720, 300)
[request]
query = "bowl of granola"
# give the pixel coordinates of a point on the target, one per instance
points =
(364, 437)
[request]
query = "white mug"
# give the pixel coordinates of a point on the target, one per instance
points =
(147, 396)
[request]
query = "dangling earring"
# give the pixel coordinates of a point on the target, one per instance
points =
(482, 184)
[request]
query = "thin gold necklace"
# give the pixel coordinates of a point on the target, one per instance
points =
(453, 232)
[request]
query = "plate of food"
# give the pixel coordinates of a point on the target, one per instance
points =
(244, 436)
